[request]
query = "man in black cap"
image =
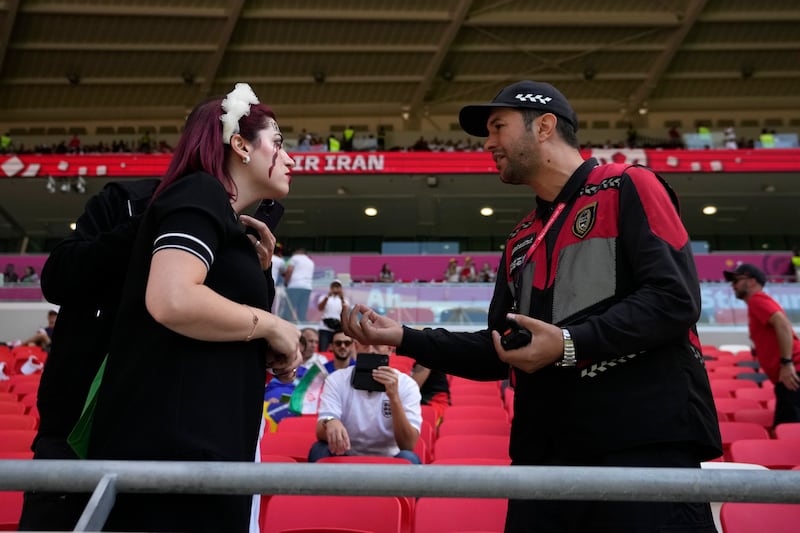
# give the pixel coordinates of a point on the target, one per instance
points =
(776, 344)
(602, 275)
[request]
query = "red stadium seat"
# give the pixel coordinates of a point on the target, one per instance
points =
(760, 517)
(407, 503)
(762, 394)
(288, 512)
(16, 455)
(476, 399)
(428, 435)
(474, 427)
(713, 364)
(733, 431)
(422, 450)
(11, 408)
(295, 445)
(727, 406)
(10, 509)
(464, 446)
(298, 424)
(457, 382)
(18, 421)
(457, 412)
(401, 363)
(725, 372)
(436, 515)
(22, 388)
(429, 415)
(471, 390)
(16, 440)
(485, 461)
(364, 459)
(778, 454)
(8, 397)
(788, 430)
(29, 401)
(726, 387)
(271, 458)
(765, 417)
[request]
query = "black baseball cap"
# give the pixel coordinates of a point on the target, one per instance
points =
(523, 94)
(747, 270)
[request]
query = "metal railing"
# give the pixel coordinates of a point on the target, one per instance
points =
(107, 478)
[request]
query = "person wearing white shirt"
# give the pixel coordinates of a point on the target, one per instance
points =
(299, 276)
(360, 422)
(331, 307)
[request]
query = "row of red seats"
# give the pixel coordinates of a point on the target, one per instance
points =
(12, 360)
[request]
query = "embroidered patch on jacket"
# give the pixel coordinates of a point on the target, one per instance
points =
(584, 220)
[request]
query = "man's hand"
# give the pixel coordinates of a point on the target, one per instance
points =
(337, 437)
(388, 377)
(546, 347)
(788, 376)
(368, 327)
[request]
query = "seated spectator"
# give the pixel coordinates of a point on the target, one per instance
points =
(421, 145)
(451, 274)
(5, 143)
(360, 422)
(344, 352)
(43, 337)
(309, 342)
(487, 273)
(433, 387)
(278, 393)
(730, 138)
(75, 145)
(386, 275)
(675, 140)
(10, 274)
(767, 138)
(467, 272)
(30, 275)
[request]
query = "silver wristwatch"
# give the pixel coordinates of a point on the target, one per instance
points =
(569, 358)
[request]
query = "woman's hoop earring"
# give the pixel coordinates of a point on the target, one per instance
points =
(246, 160)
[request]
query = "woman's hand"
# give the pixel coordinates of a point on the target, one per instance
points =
(283, 367)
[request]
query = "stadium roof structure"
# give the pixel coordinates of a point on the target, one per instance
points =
(99, 59)
(89, 61)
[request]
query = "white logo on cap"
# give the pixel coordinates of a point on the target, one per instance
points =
(533, 98)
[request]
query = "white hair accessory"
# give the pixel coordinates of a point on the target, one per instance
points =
(236, 104)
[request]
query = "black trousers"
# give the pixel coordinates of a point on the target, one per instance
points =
(575, 516)
(52, 511)
(787, 405)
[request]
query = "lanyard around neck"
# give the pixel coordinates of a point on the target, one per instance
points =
(540, 237)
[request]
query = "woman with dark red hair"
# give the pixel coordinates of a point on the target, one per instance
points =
(194, 339)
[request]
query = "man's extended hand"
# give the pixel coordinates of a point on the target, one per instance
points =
(546, 347)
(368, 327)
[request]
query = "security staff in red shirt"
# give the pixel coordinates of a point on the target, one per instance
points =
(777, 347)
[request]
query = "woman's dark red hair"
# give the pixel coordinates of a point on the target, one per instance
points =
(200, 147)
